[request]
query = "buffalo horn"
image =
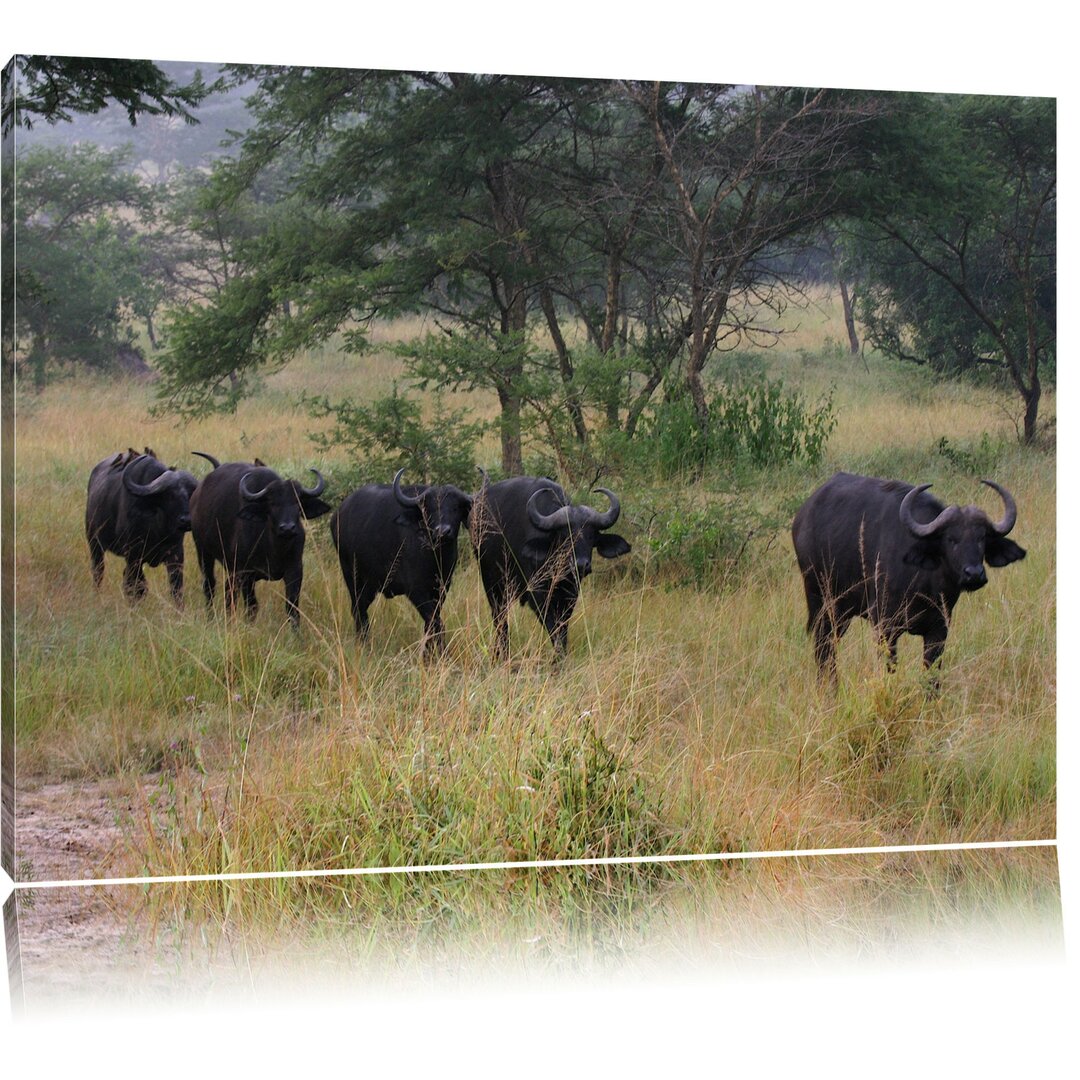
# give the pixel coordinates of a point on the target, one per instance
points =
(209, 457)
(607, 519)
(320, 484)
(915, 527)
(247, 493)
(165, 480)
(405, 500)
(1005, 525)
(558, 519)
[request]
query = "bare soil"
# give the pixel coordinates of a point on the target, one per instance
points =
(67, 934)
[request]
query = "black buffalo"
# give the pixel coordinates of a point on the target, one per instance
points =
(400, 541)
(533, 545)
(246, 517)
(138, 509)
(889, 553)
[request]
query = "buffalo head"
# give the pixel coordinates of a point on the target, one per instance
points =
(159, 505)
(436, 512)
(576, 530)
(281, 503)
(961, 538)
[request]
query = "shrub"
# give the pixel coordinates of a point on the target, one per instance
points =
(977, 459)
(703, 546)
(390, 434)
(593, 803)
(759, 421)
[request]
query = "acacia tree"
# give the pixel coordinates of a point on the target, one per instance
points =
(746, 169)
(51, 88)
(956, 241)
(416, 191)
(496, 203)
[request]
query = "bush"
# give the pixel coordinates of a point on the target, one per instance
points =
(978, 459)
(760, 422)
(702, 547)
(390, 434)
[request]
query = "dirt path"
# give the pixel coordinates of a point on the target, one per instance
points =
(69, 832)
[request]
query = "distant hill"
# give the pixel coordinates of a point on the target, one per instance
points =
(161, 144)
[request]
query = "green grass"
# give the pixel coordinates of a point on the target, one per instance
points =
(686, 717)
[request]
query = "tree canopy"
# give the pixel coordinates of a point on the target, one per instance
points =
(579, 246)
(504, 205)
(955, 239)
(52, 88)
(82, 256)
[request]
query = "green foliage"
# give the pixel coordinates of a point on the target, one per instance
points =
(979, 459)
(704, 547)
(391, 433)
(201, 370)
(81, 256)
(759, 422)
(955, 249)
(51, 88)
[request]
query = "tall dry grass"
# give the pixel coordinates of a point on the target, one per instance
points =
(685, 718)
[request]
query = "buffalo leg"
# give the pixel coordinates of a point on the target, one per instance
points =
(821, 624)
(827, 632)
(556, 622)
(174, 565)
(361, 601)
(499, 603)
(888, 639)
(293, 582)
(251, 603)
(231, 585)
(361, 595)
(434, 636)
(933, 647)
(97, 561)
(134, 580)
(209, 582)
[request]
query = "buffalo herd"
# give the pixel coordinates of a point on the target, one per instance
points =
(876, 549)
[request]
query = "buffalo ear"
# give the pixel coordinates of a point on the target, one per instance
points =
(254, 511)
(925, 554)
(311, 506)
(1001, 552)
(466, 507)
(611, 546)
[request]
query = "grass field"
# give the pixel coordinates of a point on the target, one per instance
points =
(685, 718)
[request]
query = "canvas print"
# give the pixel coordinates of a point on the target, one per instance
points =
(425, 468)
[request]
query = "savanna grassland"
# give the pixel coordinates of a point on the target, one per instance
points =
(686, 717)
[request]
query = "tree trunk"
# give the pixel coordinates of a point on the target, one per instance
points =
(849, 319)
(514, 319)
(510, 431)
(696, 389)
(637, 406)
(566, 367)
(1031, 410)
